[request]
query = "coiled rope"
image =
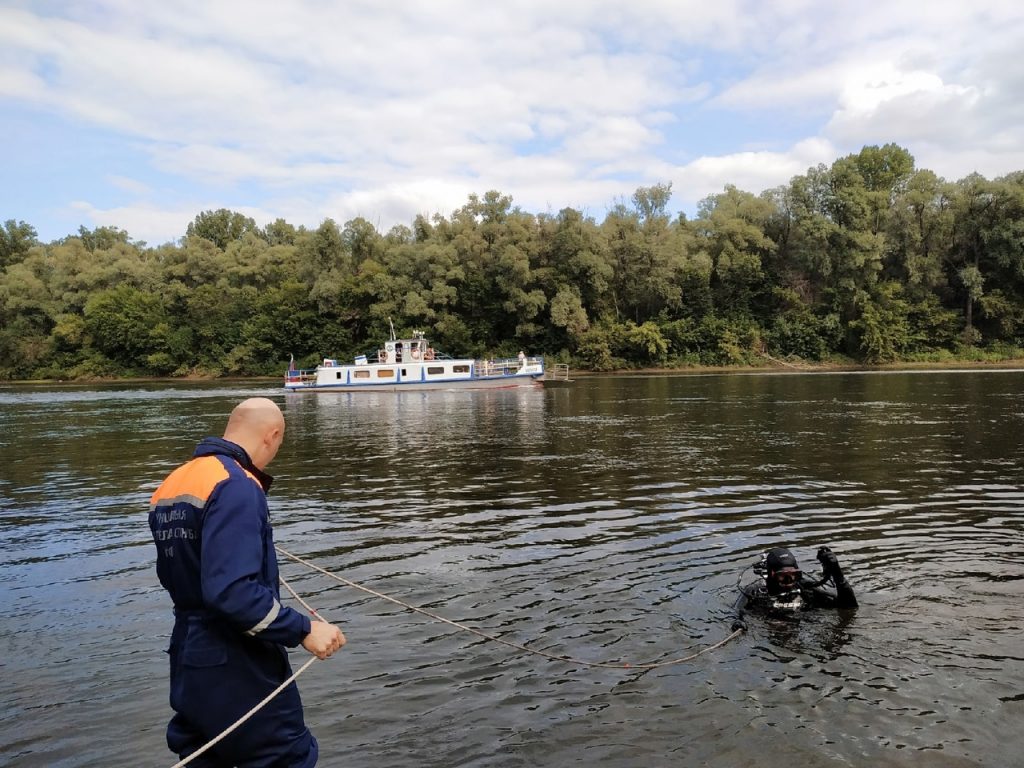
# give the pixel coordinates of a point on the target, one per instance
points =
(436, 617)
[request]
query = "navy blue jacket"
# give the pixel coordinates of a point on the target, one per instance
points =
(215, 547)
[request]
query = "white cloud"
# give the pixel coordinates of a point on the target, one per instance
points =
(611, 138)
(154, 224)
(387, 206)
(912, 105)
(749, 171)
(132, 186)
(19, 84)
(315, 109)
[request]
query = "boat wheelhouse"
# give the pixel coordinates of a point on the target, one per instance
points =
(412, 364)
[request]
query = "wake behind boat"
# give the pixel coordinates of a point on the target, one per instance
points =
(412, 364)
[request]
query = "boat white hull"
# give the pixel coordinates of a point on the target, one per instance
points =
(418, 376)
(503, 383)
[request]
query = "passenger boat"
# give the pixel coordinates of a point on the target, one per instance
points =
(412, 364)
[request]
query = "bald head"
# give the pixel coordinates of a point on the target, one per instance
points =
(257, 425)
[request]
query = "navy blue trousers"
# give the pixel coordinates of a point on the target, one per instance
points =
(217, 676)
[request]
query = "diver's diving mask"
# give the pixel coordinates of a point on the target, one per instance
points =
(787, 578)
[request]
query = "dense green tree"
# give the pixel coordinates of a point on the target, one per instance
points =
(282, 323)
(731, 228)
(918, 233)
(27, 315)
(220, 227)
(102, 238)
(121, 321)
(868, 257)
(796, 330)
(855, 247)
(573, 254)
(802, 228)
(280, 232)
(974, 206)
(569, 316)
(16, 237)
(885, 171)
(1000, 264)
(361, 240)
(882, 329)
(652, 202)
(651, 257)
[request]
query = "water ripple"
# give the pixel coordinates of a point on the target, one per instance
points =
(610, 521)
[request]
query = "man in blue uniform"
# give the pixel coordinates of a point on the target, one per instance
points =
(215, 556)
(782, 589)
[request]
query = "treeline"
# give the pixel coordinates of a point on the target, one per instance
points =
(869, 260)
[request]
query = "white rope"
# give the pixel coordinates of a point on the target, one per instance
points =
(436, 617)
(517, 646)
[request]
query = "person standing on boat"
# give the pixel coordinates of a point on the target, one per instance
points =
(215, 556)
(782, 590)
(522, 358)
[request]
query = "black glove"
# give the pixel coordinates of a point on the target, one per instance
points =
(829, 564)
(739, 625)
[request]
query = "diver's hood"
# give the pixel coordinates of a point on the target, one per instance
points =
(780, 559)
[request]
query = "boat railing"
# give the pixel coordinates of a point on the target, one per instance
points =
(558, 372)
(307, 376)
(504, 366)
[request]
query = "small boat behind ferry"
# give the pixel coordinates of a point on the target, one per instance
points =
(412, 364)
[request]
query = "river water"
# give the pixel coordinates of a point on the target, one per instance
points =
(609, 520)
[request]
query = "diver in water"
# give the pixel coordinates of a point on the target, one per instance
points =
(782, 590)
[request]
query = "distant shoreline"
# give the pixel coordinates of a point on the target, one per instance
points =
(949, 365)
(777, 367)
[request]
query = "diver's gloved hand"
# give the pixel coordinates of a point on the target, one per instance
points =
(829, 563)
(739, 624)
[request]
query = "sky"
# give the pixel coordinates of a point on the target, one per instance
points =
(141, 115)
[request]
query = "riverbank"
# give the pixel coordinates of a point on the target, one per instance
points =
(770, 366)
(778, 366)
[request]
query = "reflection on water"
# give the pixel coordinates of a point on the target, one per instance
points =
(609, 521)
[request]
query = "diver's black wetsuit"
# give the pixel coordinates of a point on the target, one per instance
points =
(768, 596)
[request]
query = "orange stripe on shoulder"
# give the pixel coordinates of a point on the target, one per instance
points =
(196, 479)
(250, 475)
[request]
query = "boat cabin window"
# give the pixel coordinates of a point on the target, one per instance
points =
(435, 370)
(460, 369)
(386, 373)
(360, 374)
(337, 375)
